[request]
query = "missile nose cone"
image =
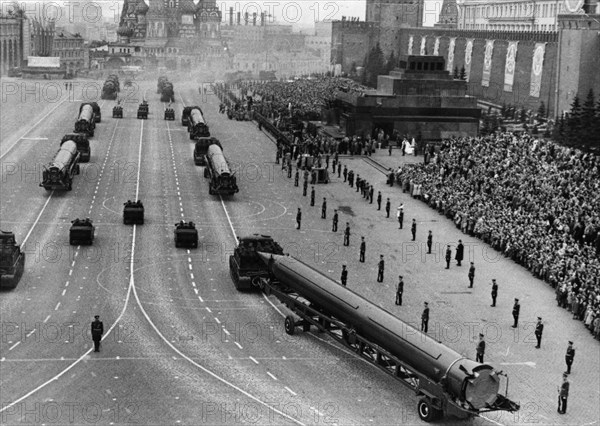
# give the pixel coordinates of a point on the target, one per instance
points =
(264, 256)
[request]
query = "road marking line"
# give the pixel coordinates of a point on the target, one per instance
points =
(217, 320)
(31, 332)
(254, 360)
(238, 345)
(36, 220)
(46, 320)
(14, 346)
(57, 305)
(290, 391)
(271, 375)
(226, 332)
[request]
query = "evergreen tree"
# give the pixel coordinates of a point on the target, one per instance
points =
(375, 65)
(542, 110)
(573, 123)
(463, 73)
(588, 113)
(523, 116)
(503, 110)
(456, 74)
(391, 63)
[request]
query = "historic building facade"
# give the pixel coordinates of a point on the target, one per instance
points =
(14, 40)
(69, 48)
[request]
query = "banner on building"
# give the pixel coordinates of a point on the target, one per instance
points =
(536, 69)
(450, 64)
(487, 63)
(43, 61)
(423, 45)
(468, 55)
(509, 68)
(411, 41)
(436, 47)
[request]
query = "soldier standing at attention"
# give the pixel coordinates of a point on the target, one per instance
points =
(371, 191)
(344, 276)
(298, 218)
(387, 208)
(413, 229)
(471, 275)
(515, 313)
(494, 291)
(563, 395)
(351, 178)
(97, 332)
(425, 318)
(339, 166)
(297, 177)
(380, 268)
(399, 290)
(480, 349)
(345, 172)
(460, 253)
(539, 329)
(335, 221)
(363, 248)
(429, 242)
(304, 187)
(324, 209)
(400, 215)
(358, 182)
(347, 234)
(448, 256)
(378, 200)
(312, 196)
(569, 356)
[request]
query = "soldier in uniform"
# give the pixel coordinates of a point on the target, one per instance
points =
(324, 209)
(358, 182)
(378, 200)
(399, 290)
(448, 256)
(388, 205)
(371, 191)
(400, 215)
(345, 172)
(339, 167)
(363, 249)
(539, 330)
(425, 318)
(344, 276)
(429, 242)
(480, 349)
(494, 291)
(289, 168)
(298, 218)
(413, 229)
(304, 187)
(380, 268)
(312, 196)
(563, 395)
(297, 177)
(460, 253)
(569, 356)
(97, 332)
(471, 274)
(347, 234)
(515, 313)
(351, 178)
(335, 221)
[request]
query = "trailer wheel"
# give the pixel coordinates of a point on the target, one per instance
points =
(427, 412)
(289, 325)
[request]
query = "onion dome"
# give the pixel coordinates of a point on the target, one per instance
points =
(187, 6)
(125, 31)
(142, 7)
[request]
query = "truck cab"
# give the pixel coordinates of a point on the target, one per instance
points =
(201, 149)
(83, 145)
(186, 235)
(245, 264)
(82, 231)
(12, 260)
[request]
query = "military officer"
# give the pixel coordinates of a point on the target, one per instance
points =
(515, 313)
(425, 318)
(388, 205)
(335, 221)
(400, 216)
(347, 234)
(358, 182)
(339, 167)
(298, 218)
(378, 200)
(97, 332)
(345, 172)
(448, 256)
(344, 276)
(563, 395)
(539, 330)
(297, 177)
(289, 169)
(471, 274)
(380, 268)
(312, 196)
(569, 356)
(351, 178)
(429, 242)
(304, 187)
(324, 209)
(413, 229)
(363, 249)
(480, 349)
(494, 290)
(371, 191)
(399, 290)
(460, 253)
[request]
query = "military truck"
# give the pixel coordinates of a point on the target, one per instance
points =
(82, 232)
(186, 235)
(142, 111)
(133, 212)
(12, 260)
(245, 264)
(117, 111)
(201, 149)
(83, 145)
(169, 113)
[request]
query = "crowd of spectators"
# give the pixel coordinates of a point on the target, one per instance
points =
(535, 201)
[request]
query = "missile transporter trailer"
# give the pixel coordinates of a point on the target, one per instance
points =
(446, 383)
(81, 232)
(117, 111)
(169, 114)
(12, 261)
(201, 149)
(133, 212)
(245, 265)
(197, 126)
(186, 235)
(83, 145)
(185, 114)
(97, 111)
(86, 122)
(60, 172)
(221, 180)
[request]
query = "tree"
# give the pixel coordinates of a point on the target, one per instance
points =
(542, 110)
(574, 122)
(588, 112)
(503, 110)
(374, 65)
(523, 115)
(391, 63)
(456, 75)
(463, 73)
